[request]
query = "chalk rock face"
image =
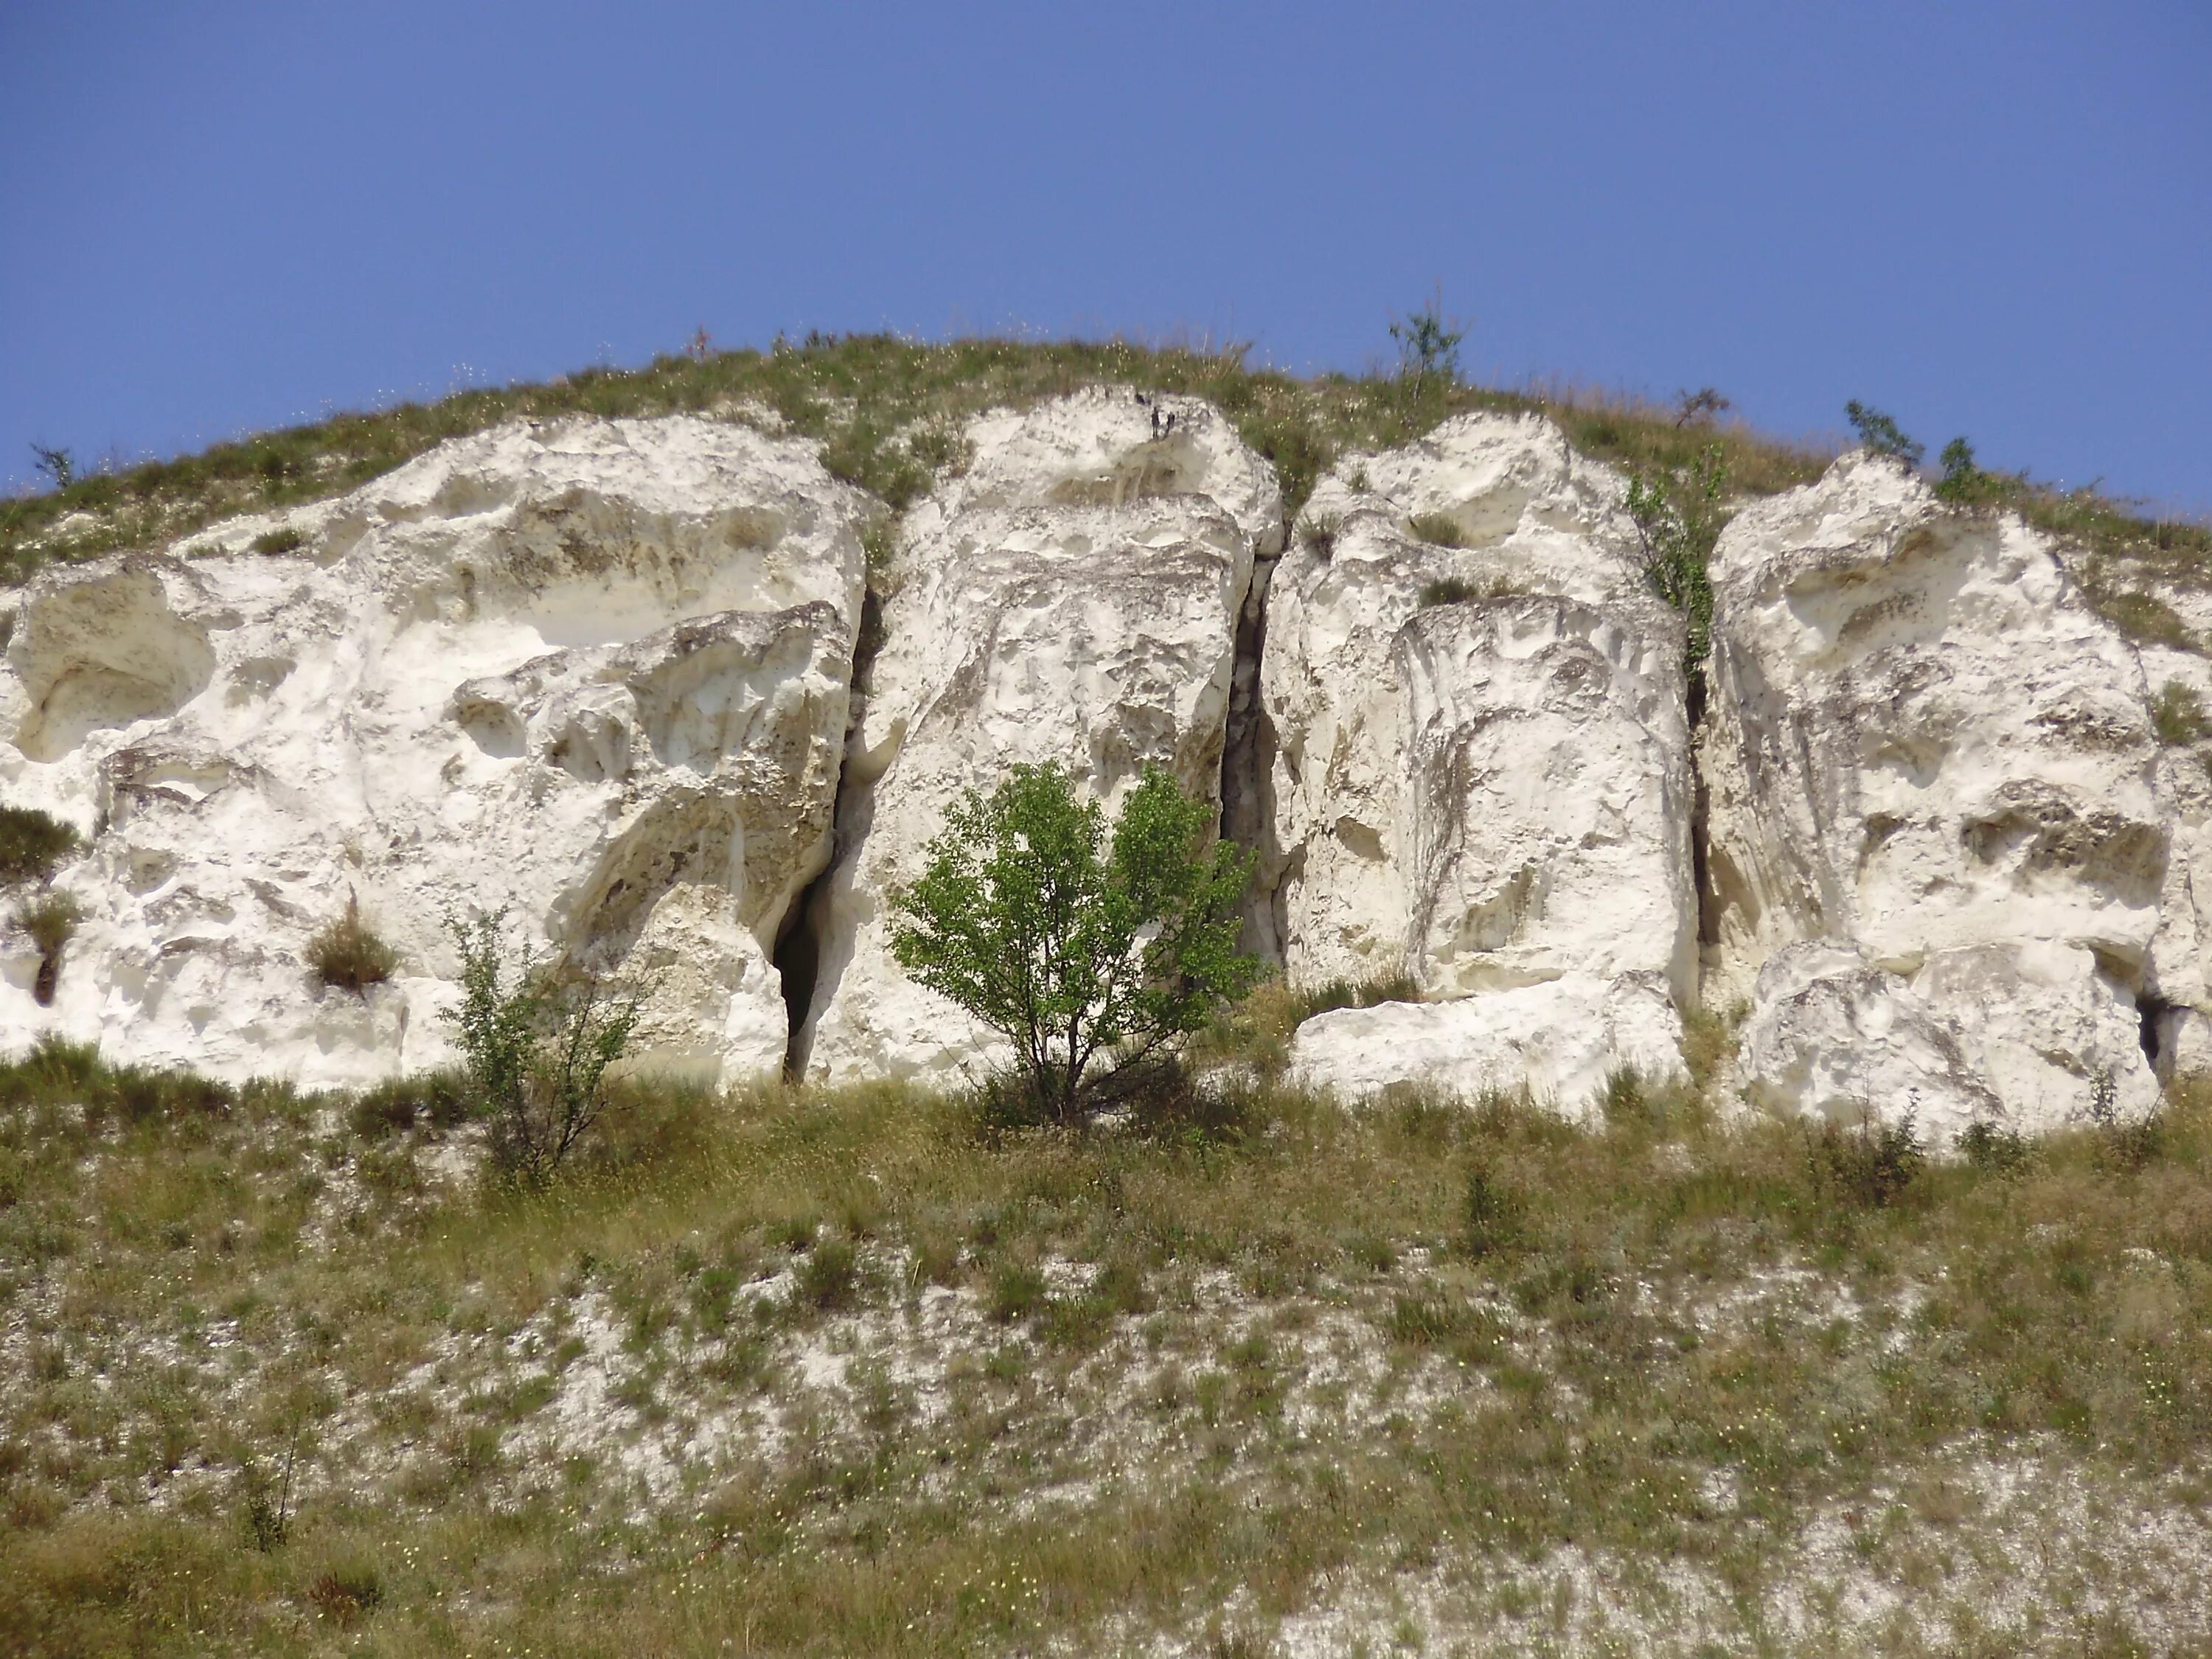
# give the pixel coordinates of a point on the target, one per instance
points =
(1925, 749)
(592, 671)
(1074, 599)
(1481, 779)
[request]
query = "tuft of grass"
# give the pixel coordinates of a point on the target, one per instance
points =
(32, 843)
(347, 955)
(1436, 529)
(1394, 985)
(286, 538)
(1450, 591)
(2177, 716)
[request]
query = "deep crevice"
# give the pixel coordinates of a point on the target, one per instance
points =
(1247, 759)
(2151, 1010)
(796, 957)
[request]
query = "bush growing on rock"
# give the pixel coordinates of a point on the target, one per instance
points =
(1881, 436)
(32, 843)
(49, 922)
(537, 1050)
(1679, 517)
(1095, 958)
(348, 955)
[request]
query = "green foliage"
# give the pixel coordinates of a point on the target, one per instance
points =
(1679, 516)
(1869, 1167)
(1428, 345)
(284, 540)
(1091, 958)
(1881, 436)
(536, 1049)
(2177, 715)
(348, 954)
(1993, 1150)
(32, 843)
(1319, 536)
(1962, 480)
(49, 921)
(58, 466)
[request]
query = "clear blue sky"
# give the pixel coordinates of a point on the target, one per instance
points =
(1993, 219)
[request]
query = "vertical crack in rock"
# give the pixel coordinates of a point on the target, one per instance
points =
(798, 955)
(1247, 759)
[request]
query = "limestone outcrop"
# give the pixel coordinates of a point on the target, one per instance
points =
(593, 672)
(1072, 599)
(1934, 846)
(1480, 781)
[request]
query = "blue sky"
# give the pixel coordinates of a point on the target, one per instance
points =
(1988, 219)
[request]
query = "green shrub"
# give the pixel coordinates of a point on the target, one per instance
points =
(537, 1050)
(348, 955)
(1093, 959)
(1869, 1167)
(32, 843)
(284, 540)
(1490, 1213)
(1962, 481)
(1428, 345)
(1991, 1149)
(1016, 1289)
(1436, 529)
(1881, 436)
(1679, 517)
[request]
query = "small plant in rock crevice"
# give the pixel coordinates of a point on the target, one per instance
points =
(348, 955)
(49, 922)
(32, 843)
(1679, 517)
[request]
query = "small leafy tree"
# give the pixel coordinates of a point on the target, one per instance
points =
(537, 1050)
(1699, 408)
(1679, 517)
(1881, 436)
(58, 464)
(1094, 957)
(1962, 480)
(1428, 344)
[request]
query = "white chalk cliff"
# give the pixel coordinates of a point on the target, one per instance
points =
(1481, 776)
(610, 678)
(1935, 847)
(592, 673)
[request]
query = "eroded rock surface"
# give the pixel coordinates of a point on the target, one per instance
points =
(1924, 750)
(1481, 777)
(592, 671)
(1072, 599)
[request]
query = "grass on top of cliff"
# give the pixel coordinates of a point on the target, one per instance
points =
(886, 410)
(784, 1371)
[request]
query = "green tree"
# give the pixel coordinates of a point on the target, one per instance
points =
(1679, 517)
(536, 1049)
(1881, 436)
(1093, 956)
(1428, 345)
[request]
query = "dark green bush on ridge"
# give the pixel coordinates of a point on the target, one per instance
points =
(32, 843)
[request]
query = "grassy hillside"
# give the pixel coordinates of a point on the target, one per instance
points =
(885, 410)
(788, 1373)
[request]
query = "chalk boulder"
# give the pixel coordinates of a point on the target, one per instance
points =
(1925, 751)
